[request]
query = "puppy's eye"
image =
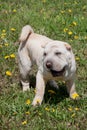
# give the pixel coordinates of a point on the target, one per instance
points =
(57, 53)
(45, 54)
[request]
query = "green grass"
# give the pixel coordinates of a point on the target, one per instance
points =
(55, 19)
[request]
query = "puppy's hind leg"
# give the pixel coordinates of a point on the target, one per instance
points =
(24, 67)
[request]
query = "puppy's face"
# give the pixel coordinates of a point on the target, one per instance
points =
(55, 58)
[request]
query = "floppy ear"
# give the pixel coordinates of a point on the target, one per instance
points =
(68, 47)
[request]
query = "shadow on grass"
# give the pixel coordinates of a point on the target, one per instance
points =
(58, 94)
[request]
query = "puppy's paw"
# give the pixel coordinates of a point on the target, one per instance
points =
(37, 101)
(75, 96)
(26, 88)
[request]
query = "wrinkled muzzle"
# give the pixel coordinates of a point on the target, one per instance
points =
(55, 69)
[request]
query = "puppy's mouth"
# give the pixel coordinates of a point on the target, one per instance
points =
(57, 73)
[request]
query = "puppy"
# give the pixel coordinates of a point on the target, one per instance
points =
(54, 59)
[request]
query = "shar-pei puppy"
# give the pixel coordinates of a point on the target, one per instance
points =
(54, 59)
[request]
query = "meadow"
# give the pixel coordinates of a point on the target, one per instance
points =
(64, 20)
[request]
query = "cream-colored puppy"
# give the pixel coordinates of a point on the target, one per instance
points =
(55, 61)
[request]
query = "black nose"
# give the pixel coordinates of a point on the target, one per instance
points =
(48, 64)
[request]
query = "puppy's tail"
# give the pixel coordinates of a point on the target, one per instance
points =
(25, 33)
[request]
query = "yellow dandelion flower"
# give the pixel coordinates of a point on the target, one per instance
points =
(27, 113)
(53, 110)
(24, 122)
(76, 108)
(74, 23)
(14, 10)
(62, 11)
(8, 73)
(6, 44)
(70, 109)
(73, 115)
(3, 31)
(76, 37)
(47, 109)
(28, 101)
(75, 95)
(51, 91)
(77, 58)
(3, 34)
(70, 33)
(13, 29)
(65, 29)
(6, 57)
(12, 55)
(70, 11)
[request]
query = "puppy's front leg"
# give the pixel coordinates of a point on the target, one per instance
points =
(71, 89)
(40, 89)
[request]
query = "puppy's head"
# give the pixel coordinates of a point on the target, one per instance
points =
(55, 58)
